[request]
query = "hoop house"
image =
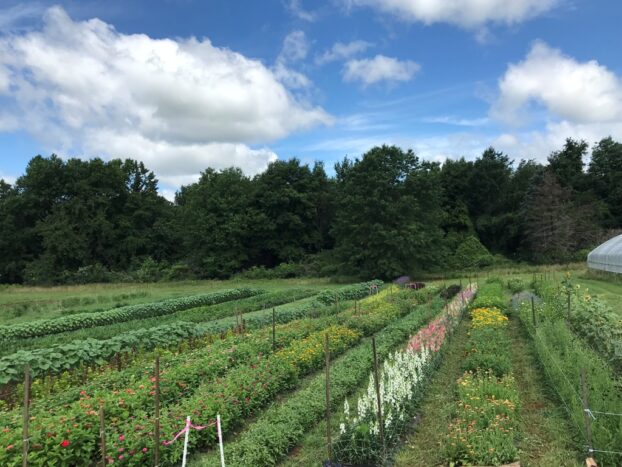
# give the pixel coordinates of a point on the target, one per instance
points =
(607, 257)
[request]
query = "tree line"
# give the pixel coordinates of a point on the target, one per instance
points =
(384, 214)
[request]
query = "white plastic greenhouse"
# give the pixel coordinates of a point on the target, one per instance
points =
(608, 256)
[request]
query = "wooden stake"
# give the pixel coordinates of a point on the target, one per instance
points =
(586, 410)
(329, 443)
(26, 417)
(273, 329)
(156, 442)
(102, 433)
(378, 399)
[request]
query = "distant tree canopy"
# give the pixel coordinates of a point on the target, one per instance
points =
(383, 214)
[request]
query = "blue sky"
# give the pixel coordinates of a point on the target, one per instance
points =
(187, 84)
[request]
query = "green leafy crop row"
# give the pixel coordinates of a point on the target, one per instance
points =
(237, 394)
(119, 315)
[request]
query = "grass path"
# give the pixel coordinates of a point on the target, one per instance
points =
(424, 447)
(546, 439)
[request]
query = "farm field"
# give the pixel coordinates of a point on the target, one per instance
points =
(467, 373)
(26, 303)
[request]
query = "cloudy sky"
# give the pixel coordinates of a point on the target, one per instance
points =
(188, 84)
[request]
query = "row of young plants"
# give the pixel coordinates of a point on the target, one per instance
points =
(203, 357)
(119, 315)
(329, 297)
(564, 355)
(60, 359)
(590, 317)
(370, 316)
(364, 439)
(239, 390)
(68, 435)
(485, 424)
(181, 371)
(277, 430)
(196, 315)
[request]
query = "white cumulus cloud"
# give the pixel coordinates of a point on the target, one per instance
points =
(380, 68)
(180, 105)
(342, 51)
(464, 13)
(577, 91)
(582, 100)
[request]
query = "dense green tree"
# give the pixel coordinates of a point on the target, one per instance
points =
(292, 211)
(384, 203)
(75, 213)
(384, 214)
(567, 164)
(605, 179)
(215, 222)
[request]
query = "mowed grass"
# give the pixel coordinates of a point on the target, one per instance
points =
(20, 304)
(609, 290)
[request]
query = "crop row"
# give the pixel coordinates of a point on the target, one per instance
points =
(241, 389)
(484, 429)
(282, 426)
(563, 355)
(363, 437)
(329, 297)
(207, 357)
(119, 315)
(90, 352)
(589, 316)
(197, 315)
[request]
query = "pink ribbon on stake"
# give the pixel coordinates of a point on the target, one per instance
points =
(187, 428)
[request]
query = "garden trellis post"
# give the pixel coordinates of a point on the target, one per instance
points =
(586, 410)
(156, 443)
(329, 443)
(26, 417)
(273, 329)
(102, 433)
(378, 398)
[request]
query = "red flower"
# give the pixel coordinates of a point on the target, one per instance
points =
(9, 447)
(65, 443)
(145, 449)
(121, 438)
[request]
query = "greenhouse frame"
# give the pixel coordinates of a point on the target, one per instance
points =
(607, 257)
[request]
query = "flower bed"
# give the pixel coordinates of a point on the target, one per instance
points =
(282, 426)
(199, 392)
(484, 428)
(401, 380)
(487, 317)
